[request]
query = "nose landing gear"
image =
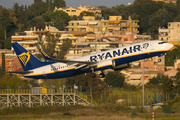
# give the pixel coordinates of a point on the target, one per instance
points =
(101, 75)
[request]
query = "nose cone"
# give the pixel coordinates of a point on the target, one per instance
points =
(169, 46)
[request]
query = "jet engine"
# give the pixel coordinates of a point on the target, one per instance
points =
(111, 64)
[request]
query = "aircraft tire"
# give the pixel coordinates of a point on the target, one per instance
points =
(159, 60)
(101, 75)
(93, 75)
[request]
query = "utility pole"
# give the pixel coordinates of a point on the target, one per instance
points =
(143, 84)
(143, 87)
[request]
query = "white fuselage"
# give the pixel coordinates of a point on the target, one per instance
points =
(121, 55)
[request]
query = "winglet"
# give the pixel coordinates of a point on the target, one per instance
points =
(44, 54)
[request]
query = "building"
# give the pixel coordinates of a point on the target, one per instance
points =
(171, 73)
(136, 75)
(177, 64)
(114, 25)
(152, 65)
(77, 11)
(163, 34)
(11, 63)
(166, 1)
(171, 34)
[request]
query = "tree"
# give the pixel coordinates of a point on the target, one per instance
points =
(159, 19)
(116, 79)
(36, 1)
(169, 58)
(156, 80)
(12, 82)
(86, 82)
(62, 14)
(59, 23)
(40, 23)
(5, 21)
(59, 3)
(85, 13)
(59, 19)
(167, 84)
(67, 43)
(177, 82)
(37, 9)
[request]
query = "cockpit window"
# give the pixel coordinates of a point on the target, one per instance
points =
(161, 42)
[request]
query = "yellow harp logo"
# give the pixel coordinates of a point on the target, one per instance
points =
(24, 57)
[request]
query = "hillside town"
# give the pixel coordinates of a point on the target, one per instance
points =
(90, 35)
(61, 60)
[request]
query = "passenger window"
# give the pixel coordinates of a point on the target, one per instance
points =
(161, 42)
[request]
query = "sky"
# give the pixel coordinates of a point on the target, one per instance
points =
(74, 3)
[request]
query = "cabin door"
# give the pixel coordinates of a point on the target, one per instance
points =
(152, 46)
(44, 72)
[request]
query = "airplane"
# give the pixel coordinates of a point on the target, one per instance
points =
(116, 59)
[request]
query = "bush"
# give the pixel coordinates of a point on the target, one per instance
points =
(167, 109)
(176, 107)
(113, 107)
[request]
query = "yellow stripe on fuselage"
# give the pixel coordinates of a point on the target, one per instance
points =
(105, 65)
(50, 72)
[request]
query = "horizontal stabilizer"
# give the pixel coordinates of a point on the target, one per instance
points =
(44, 54)
(19, 72)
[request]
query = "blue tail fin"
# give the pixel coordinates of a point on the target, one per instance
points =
(27, 60)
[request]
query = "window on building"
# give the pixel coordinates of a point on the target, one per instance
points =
(67, 10)
(73, 11)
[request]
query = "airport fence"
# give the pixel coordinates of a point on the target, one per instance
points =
(49, 91)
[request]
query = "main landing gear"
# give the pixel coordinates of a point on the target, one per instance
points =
(93, 74)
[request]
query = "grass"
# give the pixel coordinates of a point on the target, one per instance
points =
(101, 112)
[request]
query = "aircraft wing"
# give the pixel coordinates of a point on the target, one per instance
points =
(70, 62)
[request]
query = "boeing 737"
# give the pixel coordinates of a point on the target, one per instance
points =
(116, 59)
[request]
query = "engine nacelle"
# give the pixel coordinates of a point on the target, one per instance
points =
(122, 66)
(111, 64)
(106, 64)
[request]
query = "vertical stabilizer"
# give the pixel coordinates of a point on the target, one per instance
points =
(27, 60)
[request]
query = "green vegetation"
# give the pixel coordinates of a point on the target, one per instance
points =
(12, 82)
(20, 18)
(115, 79)
(171, 56)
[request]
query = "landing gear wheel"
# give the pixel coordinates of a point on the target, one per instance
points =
(159, 60)
(93, 75)
(101, 75)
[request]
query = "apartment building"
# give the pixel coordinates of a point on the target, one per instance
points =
(11, 63)
(163, 34)
(114, 25)
(170, 34)
(77, 11)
